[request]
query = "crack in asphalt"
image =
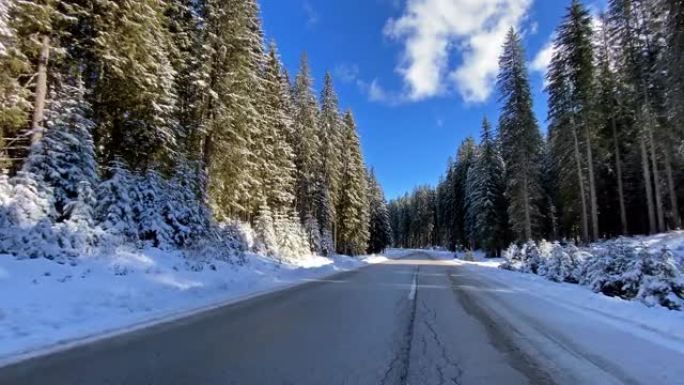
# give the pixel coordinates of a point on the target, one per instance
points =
(400, 361)
(430, 316)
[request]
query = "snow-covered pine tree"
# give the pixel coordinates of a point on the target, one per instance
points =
(130, 72)
(231, 112)
(307, 141)
(612, 128)
(26, 218)
(291, 236)
(279, 182)
(487, 204)
(155, 202)
(26, 28)
(673, 62)
(330, 126)
(189, 215)
(469, 210)
(79, 234)
(185, 22)
(313, 234)
(65, 156)
(119, 203)
(14, 103)
(457, 182)
(629, 30)
(353, 233)
(380, 228)
(520, 139)
(571, 121)
(264, 226)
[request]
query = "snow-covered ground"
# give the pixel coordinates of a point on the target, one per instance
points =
(46, 305)
(662, 324)
(577, 335)
(636, 316)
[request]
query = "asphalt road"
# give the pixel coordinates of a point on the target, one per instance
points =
(411, 321)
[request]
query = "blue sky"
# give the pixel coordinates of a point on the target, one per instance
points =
(418, 74)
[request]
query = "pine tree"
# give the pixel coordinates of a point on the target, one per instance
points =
(380, 228)
(307, 143)
(279, 180)
(185, 26)
(14, 96)
(65, 156)
(486, 202)
(118, 203)
(461, 222)
(353, 233)
(132, 78)
(39, 26)
(674, 64)
(331, 147)
(571, 97)
(520, 139)
(267, 242)
(231, 109)
(629, 29)
(611, 136)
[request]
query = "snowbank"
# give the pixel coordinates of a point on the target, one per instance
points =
(633, 316)
(44, 304)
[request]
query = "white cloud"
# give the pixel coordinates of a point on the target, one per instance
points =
(431, 29)
(377, 93)
(311, 14)
(542, 61)
(347, 73)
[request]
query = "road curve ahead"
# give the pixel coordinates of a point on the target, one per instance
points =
(411, 321)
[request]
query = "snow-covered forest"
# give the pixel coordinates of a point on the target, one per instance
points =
(610, 165)
(172, 124)
(611, 162)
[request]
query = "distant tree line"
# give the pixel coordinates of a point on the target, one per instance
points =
(612, 162)
(162, 118)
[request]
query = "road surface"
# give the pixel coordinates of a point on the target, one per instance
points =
(410, 321)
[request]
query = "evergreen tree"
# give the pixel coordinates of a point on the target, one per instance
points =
(520, 139)
(307, 142)
(278, 155)
(612, 129)
(331, 150)
(185, 22)
(486, 202)
(571, 95)
(629, 29)
(130, 73)
(380, 228)
(14, 96)
(65, 157)
(353, 233)
(674, 64)
(232, 117)
(461, 222)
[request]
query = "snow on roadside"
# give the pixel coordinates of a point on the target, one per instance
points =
(44, 304)
(634, 316)
(650, 322)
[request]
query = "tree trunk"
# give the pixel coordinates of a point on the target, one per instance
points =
(660, 212)
(592, 189)
(646, 172)
(618, 169)
(580, 177)
(207, 149)
(674, 205)
(41, 92)
(528, 216)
